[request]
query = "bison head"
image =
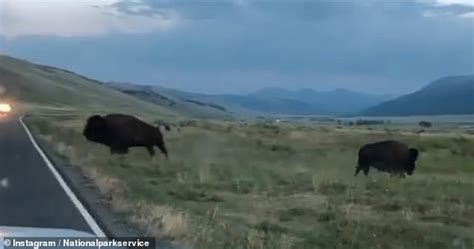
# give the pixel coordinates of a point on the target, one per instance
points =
(95, 129)
(412, 156)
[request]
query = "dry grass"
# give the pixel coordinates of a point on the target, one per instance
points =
(164, 221)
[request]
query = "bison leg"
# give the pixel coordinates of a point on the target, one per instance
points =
(363, 168)
(357, 170)
(151, 150)
(163, 149)
(366, 170)
(362, 164)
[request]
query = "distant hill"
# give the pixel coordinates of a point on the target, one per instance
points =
(271, 100)
(33, 86)
(334, 101)
(448, 95)
(36, 85)
(39, 86)
(249, 104)
(159, 96)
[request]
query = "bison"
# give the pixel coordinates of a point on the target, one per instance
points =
(389, 156)
(120, 132)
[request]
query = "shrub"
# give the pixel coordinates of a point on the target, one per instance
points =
(425, 124)
(368, 122)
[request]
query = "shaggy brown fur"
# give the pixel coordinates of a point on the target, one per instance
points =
(120, 132)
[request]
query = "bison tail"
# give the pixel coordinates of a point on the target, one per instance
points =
(413, 154)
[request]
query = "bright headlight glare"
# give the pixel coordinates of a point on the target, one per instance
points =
(5, 107)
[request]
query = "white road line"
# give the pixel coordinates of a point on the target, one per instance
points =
(85, 214)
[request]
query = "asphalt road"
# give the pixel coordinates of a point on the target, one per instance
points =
(30, 193)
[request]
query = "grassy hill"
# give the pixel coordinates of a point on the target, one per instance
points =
(448, 95)
(34, 87)
(186, 106)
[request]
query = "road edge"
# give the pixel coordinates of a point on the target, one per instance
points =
(69, 192)
(112, 223)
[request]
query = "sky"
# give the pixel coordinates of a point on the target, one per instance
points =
(239, 46)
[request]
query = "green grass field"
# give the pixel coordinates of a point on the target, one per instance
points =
(256, 186)
(228, 185)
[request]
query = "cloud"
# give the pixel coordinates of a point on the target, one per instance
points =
(451, 2)
(468, 15)
(191, 10)
(228, 46)
(446, 8)
(294, 10)
(73, 18)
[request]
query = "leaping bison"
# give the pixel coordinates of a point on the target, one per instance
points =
(120, 132)
(390, 156)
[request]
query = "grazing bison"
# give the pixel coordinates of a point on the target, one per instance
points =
(119, 132)
(390, 156)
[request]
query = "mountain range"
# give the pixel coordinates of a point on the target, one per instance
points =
(51, 87)
(269, 100)
(447, 95)
(335, 101)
